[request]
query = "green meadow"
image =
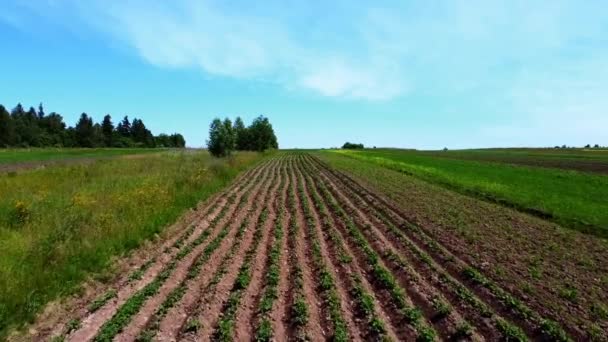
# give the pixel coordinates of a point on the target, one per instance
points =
(9, 156)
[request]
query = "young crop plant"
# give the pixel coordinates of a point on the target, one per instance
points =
(139, 273)
(365, 304)
(102, 300)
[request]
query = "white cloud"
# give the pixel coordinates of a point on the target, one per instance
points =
(378, 51)
(196, 34)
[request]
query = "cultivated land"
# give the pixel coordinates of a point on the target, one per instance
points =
(307, 246)
(585, 159)
(61, 223)
(574, 199)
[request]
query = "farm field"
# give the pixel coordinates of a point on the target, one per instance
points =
(585, 160)
(60, 224)
(20, 159)
(308, 246)
(539, 191)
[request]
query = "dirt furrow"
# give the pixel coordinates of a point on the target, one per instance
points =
(173, 310)
(464, 276)
(208, 309)
(141, 319)
(383, 280)
(317, 325)
(357, 332)
(93, 322)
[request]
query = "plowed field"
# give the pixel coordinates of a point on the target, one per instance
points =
(296, 250)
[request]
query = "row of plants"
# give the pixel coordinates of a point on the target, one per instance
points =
(549, 328)
(381, 275)
(508, 330)
(176, 294)
(428, 298)
(225, 326)
(264, 330)
(326, 281)
(299, 311)
(363, 300)
(193, 324)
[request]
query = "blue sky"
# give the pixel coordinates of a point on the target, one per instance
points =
(420, 74)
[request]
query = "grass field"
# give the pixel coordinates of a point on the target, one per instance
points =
(60, 223)
(574, 199)
(586, 160)
(11, 156)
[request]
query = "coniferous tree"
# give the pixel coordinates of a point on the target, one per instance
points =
(124, 127)
(84, 132)
(40, 111)
(7, 128)
(23, 128)
(107, 129)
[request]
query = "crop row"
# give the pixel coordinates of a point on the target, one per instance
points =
(264, 330)
(299, 311)
(225, 327)
(386, 215)
(325, 278)
(381, 275)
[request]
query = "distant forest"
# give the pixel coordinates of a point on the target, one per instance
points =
(35, 128)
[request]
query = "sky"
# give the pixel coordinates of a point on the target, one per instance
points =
(414, 74)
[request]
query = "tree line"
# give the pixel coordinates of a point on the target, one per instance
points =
(226, 137)
(351, 146)
(35, 128)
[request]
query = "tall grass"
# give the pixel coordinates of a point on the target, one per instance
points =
(574, 199)
(59, 224)
(18, 155)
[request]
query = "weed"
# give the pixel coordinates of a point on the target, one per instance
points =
(463, 330)
(73, 325)
(192, 325)
(102, 300)
(568, 293)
